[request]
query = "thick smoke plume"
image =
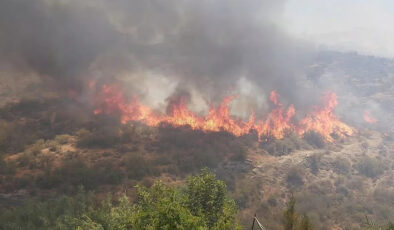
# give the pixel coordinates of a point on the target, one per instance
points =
(209, 47)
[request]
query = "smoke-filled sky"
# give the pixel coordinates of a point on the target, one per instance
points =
(208, 46)
(364, 26)
(203, 48)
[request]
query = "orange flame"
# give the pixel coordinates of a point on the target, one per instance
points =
(323, 120)
(369, 118)
(277, 123)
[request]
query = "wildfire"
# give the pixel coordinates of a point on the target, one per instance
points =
(369, 118)
(323, 120)
(279, 121)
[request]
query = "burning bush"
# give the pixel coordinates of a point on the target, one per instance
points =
(112, 100)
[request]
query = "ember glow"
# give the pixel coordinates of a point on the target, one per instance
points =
(111, 100)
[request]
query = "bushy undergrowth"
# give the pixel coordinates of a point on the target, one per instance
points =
(342, 165)
(23, 123)
(189, 150)
(314, 139)
(285, 146)
(370, 167)
(101, 138)
(135, 153)
(137, 167)
(74, 173)
(295, 176)
(202, 204)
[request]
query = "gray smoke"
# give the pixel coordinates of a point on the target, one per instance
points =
(203, 45)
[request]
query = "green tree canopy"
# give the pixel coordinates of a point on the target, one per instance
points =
(202, 204)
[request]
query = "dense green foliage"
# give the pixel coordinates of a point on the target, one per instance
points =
(202, 204)
(207, 197)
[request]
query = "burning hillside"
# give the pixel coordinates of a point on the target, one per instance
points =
(106, 95)
(111, 100)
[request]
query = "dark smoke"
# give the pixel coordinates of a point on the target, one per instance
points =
(205, 45)
(54, 39)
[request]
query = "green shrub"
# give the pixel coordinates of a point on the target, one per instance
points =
(292, 220)
(101, 138)
(6, 168)
(74, 173)
(188, 150)
(247, 192)
(36, 148)
(14, 136)
(202, 204)
(62, 139)
(53, 145)
(138, 167)
(295, 176)
(285, 146)
(373, 226)
(207, 196)
(25, 159)
(370, 167)
(314, 139)
(272, 201)
(239, 154)
(314, 162)
(342, 165)
(38, 123)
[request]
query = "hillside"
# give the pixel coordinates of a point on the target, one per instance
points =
(52, 143)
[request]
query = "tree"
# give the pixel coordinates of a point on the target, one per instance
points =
(292, 220)
(162, 207)
(207, 197)
(202, 204)
(290, 217)
(305, 223)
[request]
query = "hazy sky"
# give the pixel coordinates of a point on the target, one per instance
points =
(365, 26)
